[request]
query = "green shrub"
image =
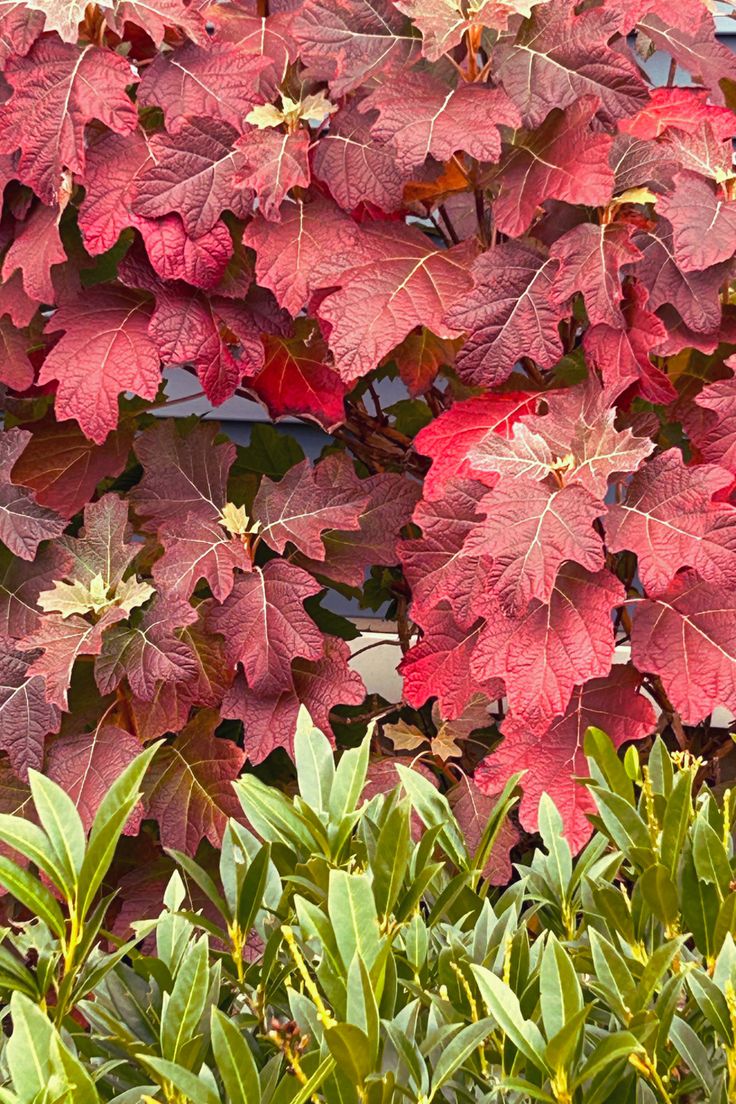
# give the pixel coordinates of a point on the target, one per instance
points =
(342, 961)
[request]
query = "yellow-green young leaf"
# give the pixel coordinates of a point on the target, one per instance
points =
(235, 1062)
(562, 1047)
(73, 1071)
(350, 1048)
(660, 893)
(503, 1005)
(353, 915)
(184, 1007)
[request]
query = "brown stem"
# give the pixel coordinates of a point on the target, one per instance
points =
(448, 223)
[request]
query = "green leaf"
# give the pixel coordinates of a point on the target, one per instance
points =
(676, 820)
(350, 1048)
(193, 1088)
(269, 452)
(709, 856)
(33, 894)
(435, 812)
(185, 1005)
(551, 830)
(61, 822)
(660, 893)
(110, 820)
(28, 1050)
(353, 916)
(250, 894)
(362, 1009)
(349, 780)
(600, 751)
(458, 1050)
(235, 1062)
(560, 994)
(503, 1005)
(271, 813)
(712, 1003)
(611, 1049)
(625, 827)
(690, 1048)
(315, 762)
(33, 843)
(391, 860)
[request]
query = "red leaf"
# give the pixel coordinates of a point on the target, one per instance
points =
(175, 255)
(269, 720)
(296, 379)
(544, 653)
(23, 522)
(303, 504)
(189, 786)
(61, 88)
(406, 283)
(437, 566)
(357, 167)
(182, 474)
(530, 529)
(622, 356)
(440, 666)
(62, 640)
(148, 651)
(510, 313)
(564, 159)
(113, 166)
(86, 765)
(560, 56)
(687, 636)
(703, 222)
(265, 625)
(350, 552)
(105, 351)
(16, 370)
(553, 757)
(444, 22)
(19, 29)
(664, 517)
(193, 174)
(683, 108)
(273, 162)
(214, 81)
(694, 295)
(347, 43)
(155, 17)
(307, 250)
(198, 548)
(716, 439)
(692, 43)
(591, 258)
(63, 468)
(26, 718)
(421, 119)
(21, 583)
(449, 438)
(36, 247)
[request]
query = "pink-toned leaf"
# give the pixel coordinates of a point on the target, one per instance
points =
(86, 765)
(356, 166)
(174, 255)
(105, 350)
(198, 548)
(472, 808)
(23, 522)
(687, 636)
(297, 378)
(683, 108)
(530, 529)
(552, 758)
(509, 313)
(36, 247)
(564, 159)
(182, 473)
(703, 222)
(544, 653)
(265, 624)
(189, 787)
(421, 119)
(61, 88)
(559, 56)
(272, 163)
(26, 718)
(192, 173)
(148, 650)
(591, 258)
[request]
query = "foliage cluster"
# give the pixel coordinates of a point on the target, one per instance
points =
(339, 959)
(288, 200)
